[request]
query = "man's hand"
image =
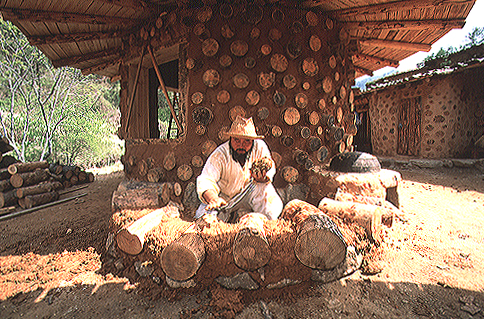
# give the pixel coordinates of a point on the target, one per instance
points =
(259, 176)
(216, 203)
(213, 200)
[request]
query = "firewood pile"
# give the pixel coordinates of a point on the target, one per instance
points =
(36, 183)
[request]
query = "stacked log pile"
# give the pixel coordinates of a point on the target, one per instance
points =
(35, 183)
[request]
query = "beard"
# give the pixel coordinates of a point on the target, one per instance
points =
(239, 155)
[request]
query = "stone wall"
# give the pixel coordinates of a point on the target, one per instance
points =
(450, 111)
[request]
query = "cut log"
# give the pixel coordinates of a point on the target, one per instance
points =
(251, 249)
(183, 257)
(156, 175)
(135, 199)
(300, 156)
(26, 167)
(169, 162)
(184, 172)
(4, 174)
(367, 216)
(142, 168)
(8, 198)
(29, 178)
(319, 243)
(5, 185)
(290, 174)
(82, 177)
(39, 199)
(131, 239)
(37, 189)
(74, 180)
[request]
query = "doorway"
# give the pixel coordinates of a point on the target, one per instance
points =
(409, 122)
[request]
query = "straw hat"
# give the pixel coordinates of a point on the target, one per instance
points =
(243, 128)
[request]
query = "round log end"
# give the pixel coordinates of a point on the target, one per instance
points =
(320, 248)
(180, 261)
(129, 243)
(251, 251)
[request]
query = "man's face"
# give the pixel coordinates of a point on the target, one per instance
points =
(241, 145)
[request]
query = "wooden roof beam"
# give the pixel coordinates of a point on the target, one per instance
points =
(395, 6)
(63, 17)
(133, 4)
(101, 66)
(407, 24)
(77, 37)
(380, 62)
(72, 60)
(363, 71)
(408, 46)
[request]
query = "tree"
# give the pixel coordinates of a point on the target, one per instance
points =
(44, 109)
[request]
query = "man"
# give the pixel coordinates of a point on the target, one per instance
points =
(227, 180)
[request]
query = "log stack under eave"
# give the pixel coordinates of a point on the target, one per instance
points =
(35, 183)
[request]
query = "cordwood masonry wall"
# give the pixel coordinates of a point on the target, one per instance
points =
(451, 109)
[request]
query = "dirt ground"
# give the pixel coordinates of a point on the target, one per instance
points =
(51, 265)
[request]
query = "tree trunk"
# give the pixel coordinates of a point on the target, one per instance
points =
(251, 249)
(182, 258)
(39, 199)
(26, 167)
(8, 198)
(131, 239)
(367, 216)
(319, 243)
(37, 189)
(29, 178)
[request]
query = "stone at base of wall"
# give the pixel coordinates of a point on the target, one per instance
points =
(433, 163)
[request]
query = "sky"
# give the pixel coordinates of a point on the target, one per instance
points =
(455, 38)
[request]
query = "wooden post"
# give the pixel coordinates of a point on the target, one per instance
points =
(133, 93)
(319, 243)
(131, 239)
(183, 257)
(251, 249)
(162, 84)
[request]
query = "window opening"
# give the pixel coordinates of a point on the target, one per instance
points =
(166, 123)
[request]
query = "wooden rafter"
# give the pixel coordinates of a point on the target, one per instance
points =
(396, 6)
(72, 60)
(408, 46)
(77, 37)
(101, 66)
(363, 71)
(380, 62)
(63, 17)
(133, 4)
(407, 24)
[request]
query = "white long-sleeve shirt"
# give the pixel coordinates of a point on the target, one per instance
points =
(226, 176)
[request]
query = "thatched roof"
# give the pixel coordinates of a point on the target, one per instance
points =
(93, 35)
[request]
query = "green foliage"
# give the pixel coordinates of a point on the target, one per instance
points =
(55, 114)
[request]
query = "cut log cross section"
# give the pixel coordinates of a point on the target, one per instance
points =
(131, 239)
(251, 249)
(319, 243)
(182, 258)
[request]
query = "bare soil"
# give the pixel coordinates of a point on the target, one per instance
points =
(51, 264)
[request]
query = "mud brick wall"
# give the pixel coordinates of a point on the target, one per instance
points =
(450, 109)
